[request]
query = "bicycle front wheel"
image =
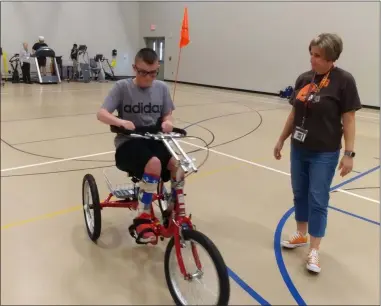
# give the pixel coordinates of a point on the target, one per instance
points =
(208, 283)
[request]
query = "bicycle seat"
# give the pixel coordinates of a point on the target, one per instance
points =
(134, 179)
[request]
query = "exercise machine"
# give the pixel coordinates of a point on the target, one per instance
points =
(108, 75)
(15, 64)
(59, 64)
(82, 73)
(47, 79)
(98, 66)
(84, 64)
(97, 69)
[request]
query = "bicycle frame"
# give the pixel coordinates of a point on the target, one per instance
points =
(174, 229)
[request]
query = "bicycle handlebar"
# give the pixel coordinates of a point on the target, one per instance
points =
(154, 129)
(169, 139)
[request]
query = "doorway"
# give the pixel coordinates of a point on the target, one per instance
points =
(158, 45)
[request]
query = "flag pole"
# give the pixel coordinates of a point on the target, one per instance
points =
(184, 41)
(177, 73)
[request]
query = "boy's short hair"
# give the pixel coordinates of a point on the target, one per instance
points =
(147, 55)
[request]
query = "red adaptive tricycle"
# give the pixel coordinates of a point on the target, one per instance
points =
(182, 233)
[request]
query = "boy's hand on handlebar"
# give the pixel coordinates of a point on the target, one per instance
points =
(128, 125)
(167, 126)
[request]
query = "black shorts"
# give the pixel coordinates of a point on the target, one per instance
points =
(41, 61)
(133, 156)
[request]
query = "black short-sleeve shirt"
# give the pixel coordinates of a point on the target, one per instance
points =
(324, 112)
(37, 46)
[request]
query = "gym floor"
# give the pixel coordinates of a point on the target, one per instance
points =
(240, 198)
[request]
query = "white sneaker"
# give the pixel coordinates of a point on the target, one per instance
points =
(313, 261)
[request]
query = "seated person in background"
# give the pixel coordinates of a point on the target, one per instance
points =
(42, 59)
(143, 101)
(74, 58)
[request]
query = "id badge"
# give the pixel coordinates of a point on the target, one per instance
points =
(300, 134)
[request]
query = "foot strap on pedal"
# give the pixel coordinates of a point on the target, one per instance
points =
(136, 223)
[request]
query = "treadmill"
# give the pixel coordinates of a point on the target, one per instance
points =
(48, 79)
(84, 66)
(111, 75)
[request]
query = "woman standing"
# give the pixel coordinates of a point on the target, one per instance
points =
(25, 64)
(324, 104)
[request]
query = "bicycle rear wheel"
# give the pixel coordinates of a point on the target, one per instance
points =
(195, 241)
(91, 207)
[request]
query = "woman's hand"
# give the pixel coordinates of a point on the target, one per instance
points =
(277, 150)
(346, 165)
(287, 131)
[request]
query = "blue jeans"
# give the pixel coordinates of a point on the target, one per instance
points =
(311, 177)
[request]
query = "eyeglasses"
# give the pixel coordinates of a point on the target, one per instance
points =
(143, 72)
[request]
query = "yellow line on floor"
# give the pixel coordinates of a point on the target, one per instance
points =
(79, 207)
(42, 217)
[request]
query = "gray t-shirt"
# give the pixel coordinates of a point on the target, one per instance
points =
(141, 106)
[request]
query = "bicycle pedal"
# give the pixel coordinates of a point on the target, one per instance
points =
(132, 231)
(138, 241)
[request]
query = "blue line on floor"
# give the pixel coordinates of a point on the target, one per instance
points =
(247, 288)
(278, 232)
(279, 259)
(356, 177)
(354, 215)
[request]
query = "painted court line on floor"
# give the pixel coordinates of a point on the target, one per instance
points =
(188, 143)
(279, 229)
(285, 103)
(358, 196)
(259, 99)
(55, 161)
(78, 207)
(278, 171)
(60, 91)
(249, 290)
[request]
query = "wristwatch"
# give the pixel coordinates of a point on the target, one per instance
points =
(349, 153)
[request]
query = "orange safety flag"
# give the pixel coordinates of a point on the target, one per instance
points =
(184, 38)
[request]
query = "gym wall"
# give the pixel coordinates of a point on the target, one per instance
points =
(263, 46)
(101, 26)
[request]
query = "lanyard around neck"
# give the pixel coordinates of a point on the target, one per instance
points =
(322, 83)
(309, 98)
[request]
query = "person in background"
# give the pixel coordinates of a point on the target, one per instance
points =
(74, 58)
(25, 64)
(324, 104)
(41, 59)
